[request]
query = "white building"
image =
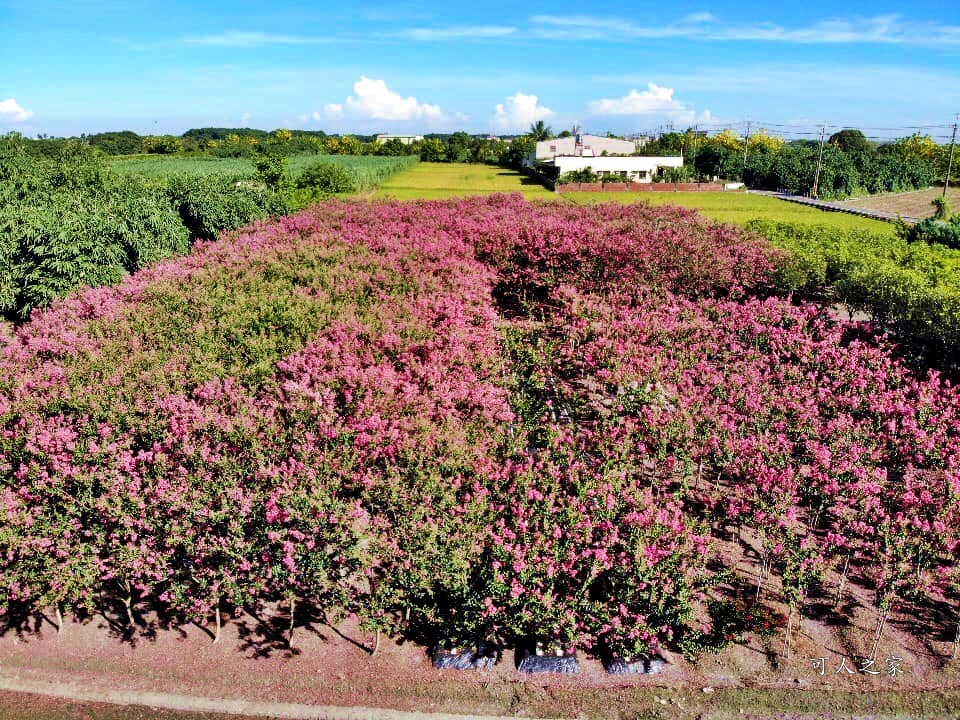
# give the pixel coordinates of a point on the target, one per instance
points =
(608, 157)
(405, 139)
(585, 145)
(628, 169)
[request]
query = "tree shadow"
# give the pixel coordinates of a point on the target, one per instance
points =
(265, 636)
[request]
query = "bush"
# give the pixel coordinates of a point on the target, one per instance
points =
(913, 286)
(73, 222)
(322, 180)
(211, 204)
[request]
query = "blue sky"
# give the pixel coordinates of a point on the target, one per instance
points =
(80, 66)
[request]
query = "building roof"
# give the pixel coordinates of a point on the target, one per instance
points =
(590, 146)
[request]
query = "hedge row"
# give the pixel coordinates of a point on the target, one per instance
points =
(913, 287)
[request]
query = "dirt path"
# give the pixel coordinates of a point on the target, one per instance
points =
(192, 703)
(840, 207)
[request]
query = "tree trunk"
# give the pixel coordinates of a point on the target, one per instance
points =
(216, 619)
(881, 622)
(127, 603)
(293, 615)
(788, 638)
(763, 575)
(376, 645)
(956, 641)
(843, 581)
(56, 609)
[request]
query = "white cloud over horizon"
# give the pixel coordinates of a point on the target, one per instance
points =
(468, 32)
(13, 111)
(885, 29)
(519, 111)
(373, 100)
(251, 39)
(655, 100)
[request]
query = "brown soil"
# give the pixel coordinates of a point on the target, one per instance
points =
(909, 204)
(333, 666)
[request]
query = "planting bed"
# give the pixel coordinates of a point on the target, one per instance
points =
(479, 421)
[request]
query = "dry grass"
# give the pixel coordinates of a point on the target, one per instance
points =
(911, 204)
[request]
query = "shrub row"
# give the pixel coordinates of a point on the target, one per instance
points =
(912, 286)
(73, 222)
(327, 412)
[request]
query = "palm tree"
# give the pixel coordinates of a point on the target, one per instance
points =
(540, 131)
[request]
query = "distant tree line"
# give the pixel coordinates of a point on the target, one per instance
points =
(851, 163)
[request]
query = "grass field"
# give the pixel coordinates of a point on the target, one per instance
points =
(741, 207)
(431, 181)
(158, 166)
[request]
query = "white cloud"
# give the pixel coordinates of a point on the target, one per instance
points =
(655, 100)
(884, 29)
(519, 111)
(11, 110)
(468, 32)
(240, 38)
(245, 120)
(373, 100)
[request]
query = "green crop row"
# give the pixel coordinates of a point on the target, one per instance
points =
(77, 220)
(913, 287)
(367, 171)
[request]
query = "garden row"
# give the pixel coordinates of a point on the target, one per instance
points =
(911, 287)
(473, 421)
(74, 222)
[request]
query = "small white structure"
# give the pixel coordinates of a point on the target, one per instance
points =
(583, 145)
(626, 169)
(405, 139)
(610, 158)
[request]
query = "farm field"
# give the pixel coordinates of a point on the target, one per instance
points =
(428, 181)
(911, 204)
(432, 181)
(740, 208)
(368, 171)
(401, 424)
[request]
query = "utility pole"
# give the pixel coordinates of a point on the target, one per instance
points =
(953, 138)
(816, 176)
(746, 144)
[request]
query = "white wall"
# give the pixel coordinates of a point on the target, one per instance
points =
(639, 169)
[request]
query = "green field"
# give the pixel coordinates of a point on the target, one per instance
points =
(741, 207)
(367, 168)
(431, 181)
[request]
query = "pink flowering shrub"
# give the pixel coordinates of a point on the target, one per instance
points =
(476, 419)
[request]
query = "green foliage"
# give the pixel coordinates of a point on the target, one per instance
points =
(851, 140)
(394, 147)
(322, 180)
(730, 622)
(117, 143)
(539, 130)
(518, 151)
(211, 204)
(73, 222)
(912, 286)
(270, 170)
(585, 175)
(676, 174)
(162, 144)
(432, 150)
